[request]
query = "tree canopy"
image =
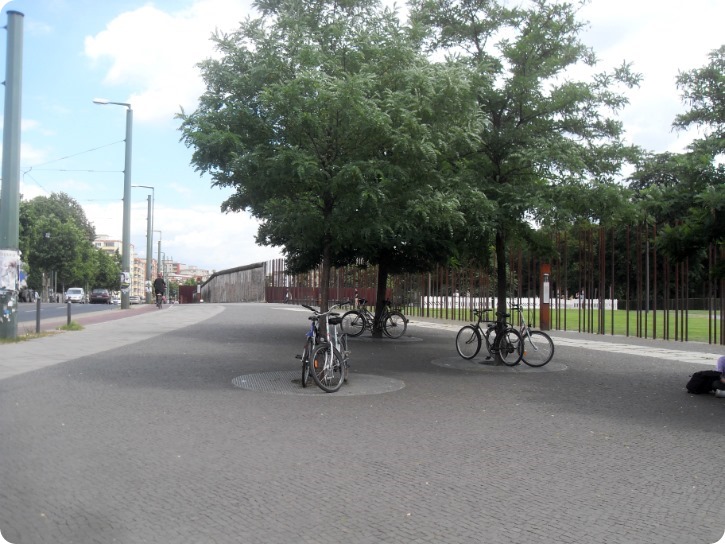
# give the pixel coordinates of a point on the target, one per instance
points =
(337, 132)
(552, 137)
(688, 190)
(56, 236)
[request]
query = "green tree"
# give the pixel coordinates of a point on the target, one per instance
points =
(56, 236)
(695, 203)
(55, 247)
(108, 270)
(329, 123)
(552, 138)
(703, 90)
(65, 209)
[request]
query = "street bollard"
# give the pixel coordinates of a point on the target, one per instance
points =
(69, 303)
(37, 315)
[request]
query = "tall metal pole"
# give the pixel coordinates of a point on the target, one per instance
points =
(10, 193)
(158, 255)
(126, 278)
(126, 240)
(149, 241)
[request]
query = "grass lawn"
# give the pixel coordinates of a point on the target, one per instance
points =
(694, 325)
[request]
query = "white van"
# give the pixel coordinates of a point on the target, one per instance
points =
(75, 294)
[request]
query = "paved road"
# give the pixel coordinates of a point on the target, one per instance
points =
(146, 429)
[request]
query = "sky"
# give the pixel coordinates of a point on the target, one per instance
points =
(145, 53)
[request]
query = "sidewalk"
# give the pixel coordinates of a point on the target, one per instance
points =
(102, 331)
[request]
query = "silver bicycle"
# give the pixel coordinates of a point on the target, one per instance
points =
(538, 346)
(330, 360)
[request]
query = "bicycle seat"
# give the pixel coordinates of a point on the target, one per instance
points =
(503, 314)
(335, 320)
(313, 318)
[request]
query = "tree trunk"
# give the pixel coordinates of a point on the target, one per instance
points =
(380, 299)
(325, 279)
(501, 278)
(501, 270)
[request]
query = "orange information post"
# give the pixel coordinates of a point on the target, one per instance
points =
(545, 299)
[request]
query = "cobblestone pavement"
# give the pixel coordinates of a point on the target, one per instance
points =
(135, 432)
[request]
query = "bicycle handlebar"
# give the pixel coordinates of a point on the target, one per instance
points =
(329, 311)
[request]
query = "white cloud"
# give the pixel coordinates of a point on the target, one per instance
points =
(660, 39)
(201, 235)
(161, 58)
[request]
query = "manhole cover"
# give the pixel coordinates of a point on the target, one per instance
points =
(288, 382)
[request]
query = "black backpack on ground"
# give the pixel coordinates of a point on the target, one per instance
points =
(703, 382)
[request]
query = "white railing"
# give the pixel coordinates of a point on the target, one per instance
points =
(464, 301)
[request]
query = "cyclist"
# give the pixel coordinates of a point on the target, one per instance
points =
(159, 286)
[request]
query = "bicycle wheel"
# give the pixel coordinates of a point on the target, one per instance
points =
(395, 325)
(468, 342)
(538, 348)
(327, 368)
(306, 354)
(353, 323)
(509, 347)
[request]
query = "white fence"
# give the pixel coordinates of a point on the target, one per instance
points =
(463, 301)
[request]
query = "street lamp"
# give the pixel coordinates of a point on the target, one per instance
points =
(158, 259)
(126, 237)
(149, 239)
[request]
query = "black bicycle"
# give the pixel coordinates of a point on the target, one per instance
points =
(312, 338)
(393, 322)
(502, 340)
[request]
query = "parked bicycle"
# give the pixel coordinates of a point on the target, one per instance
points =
(392, 321)
(329, 362)
(311, 341)
(502, 340)
(538, 346)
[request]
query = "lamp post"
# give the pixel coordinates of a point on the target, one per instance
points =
(149, 240)
(158, 257)
(126, 237)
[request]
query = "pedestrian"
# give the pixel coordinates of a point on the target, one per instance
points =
(720, 384)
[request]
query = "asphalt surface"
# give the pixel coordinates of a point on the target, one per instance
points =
(189, 424)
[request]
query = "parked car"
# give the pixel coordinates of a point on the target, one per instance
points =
(75, 294)
(100, 296)
(134, 299)
(115, 300)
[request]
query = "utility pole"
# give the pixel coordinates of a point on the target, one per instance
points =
(10, 194)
